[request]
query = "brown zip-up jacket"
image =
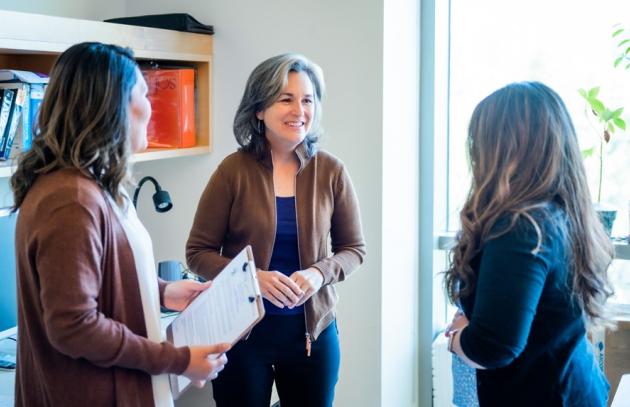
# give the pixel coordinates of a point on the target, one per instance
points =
(82, 334)
(238, 208)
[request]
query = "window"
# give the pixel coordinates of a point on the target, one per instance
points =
(564, 44)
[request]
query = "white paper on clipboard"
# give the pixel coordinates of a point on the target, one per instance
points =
(223, 313)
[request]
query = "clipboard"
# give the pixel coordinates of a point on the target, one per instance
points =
(224, 313)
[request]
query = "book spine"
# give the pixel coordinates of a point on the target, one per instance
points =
(6, 107)
(16, 115)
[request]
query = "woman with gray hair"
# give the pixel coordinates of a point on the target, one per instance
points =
(284, 197)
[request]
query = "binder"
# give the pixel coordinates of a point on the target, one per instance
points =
(35, 98)
(172, 97)
(6, 109)
(224, 313)
(34, 86)
(17, 119)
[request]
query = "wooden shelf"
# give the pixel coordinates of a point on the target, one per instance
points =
(37, 47)
(160, 154)
(6, 169)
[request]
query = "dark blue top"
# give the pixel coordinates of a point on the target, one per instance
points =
(285, 257)
(525, 327)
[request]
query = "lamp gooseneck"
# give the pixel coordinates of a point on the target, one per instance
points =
(161, 198)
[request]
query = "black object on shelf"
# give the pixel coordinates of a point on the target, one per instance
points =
(175, 21)
(161, 198)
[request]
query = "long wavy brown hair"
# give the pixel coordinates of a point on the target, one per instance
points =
(83, 120)
(524, 155)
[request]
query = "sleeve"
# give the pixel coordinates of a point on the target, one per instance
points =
(69, 256)
(161, 288)
(508, 288)
(210, 226)
(348, 246)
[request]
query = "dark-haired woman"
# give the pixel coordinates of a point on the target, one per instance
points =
(530, 266)
(88, 294)
(285, 198)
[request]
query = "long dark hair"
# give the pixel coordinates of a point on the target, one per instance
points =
(262, 89)
(83, 121)
(524, 154)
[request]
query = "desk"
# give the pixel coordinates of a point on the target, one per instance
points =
(622, 395)
(7, 377)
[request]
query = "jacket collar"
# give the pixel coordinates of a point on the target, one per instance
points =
(301, 152)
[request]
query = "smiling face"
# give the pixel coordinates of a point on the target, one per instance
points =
(139, 114)
(288, 119)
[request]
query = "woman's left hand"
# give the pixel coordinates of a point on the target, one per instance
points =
(458, 323)
(309, 281)
(178, 294)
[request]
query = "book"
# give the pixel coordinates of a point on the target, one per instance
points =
(14, 75)
(6, 106)
(224, 313)
(35, 98)
(18, 118)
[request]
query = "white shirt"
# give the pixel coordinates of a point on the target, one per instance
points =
(142, 249)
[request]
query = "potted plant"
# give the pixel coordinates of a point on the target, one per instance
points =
(609, 120)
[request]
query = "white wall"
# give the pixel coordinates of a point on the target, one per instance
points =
(345, 38)
(379, 353)
(86, 9)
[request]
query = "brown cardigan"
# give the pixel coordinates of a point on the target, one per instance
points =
(82, 336)
(238, 208)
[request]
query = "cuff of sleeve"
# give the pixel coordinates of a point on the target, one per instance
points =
(162, 287)
(182, 360)
(326, 272)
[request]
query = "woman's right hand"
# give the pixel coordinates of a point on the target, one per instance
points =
(205, 363)
(279, 289)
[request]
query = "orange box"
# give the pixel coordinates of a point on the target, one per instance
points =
(172, 96)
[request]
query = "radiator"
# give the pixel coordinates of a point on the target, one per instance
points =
(442, 374)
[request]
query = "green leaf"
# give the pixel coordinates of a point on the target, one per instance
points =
(598, 107)
(619, 31)
(611, 128)
(588, 152)
(593, 92)
(627, 40)
(618, 61)
(583, 93)
(606, 115)
(616, 113)
(620, 123)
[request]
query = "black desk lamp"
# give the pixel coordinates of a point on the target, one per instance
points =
(161, 198)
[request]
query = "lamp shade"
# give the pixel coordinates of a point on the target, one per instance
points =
(162, 201)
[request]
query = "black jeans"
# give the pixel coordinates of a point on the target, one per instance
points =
(276, 350)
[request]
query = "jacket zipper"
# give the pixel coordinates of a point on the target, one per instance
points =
(307, 335)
